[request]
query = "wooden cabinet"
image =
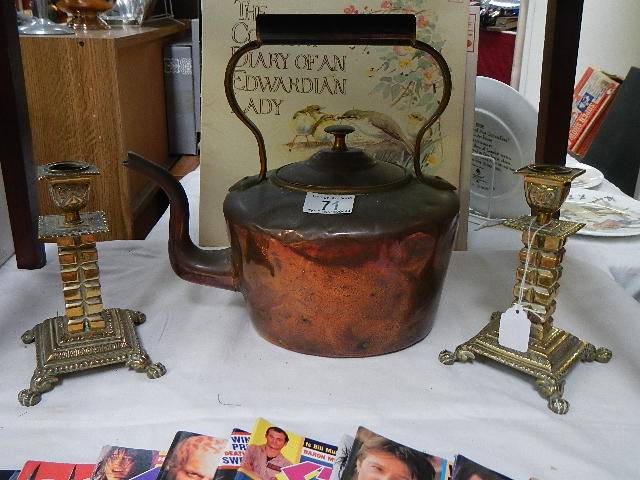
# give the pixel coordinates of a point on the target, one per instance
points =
(93, 96)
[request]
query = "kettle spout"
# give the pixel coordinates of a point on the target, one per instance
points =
(205, 267)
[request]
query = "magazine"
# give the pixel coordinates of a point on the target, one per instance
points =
(8, 474)
(192, 456)
(232, 458)
(372, 455)
(592, 97)
(465, 469)
(35, 470)
(123, 463)
(344, 447)
(277, 454)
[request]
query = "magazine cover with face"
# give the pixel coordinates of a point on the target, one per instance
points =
(465, 469)
(277, 454)
(192, 456)
(374, 457)
(123, 463)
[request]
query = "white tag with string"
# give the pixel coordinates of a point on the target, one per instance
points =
(514, 328)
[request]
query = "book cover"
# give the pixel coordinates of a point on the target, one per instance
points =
(36, 470)
(373, 455)
(277, 454)
(123, 463)
(465, 469)
(233, 455)
(293, 92)
(584, 142)
(592, 94)
(192, 456)
(180, 99)
(468, 124)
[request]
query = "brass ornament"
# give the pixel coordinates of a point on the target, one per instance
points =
(88, 335)
(551, 352)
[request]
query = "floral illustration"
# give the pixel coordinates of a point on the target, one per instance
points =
(409, 79)
(408, 83)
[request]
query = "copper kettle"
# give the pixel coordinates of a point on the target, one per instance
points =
(343, 285)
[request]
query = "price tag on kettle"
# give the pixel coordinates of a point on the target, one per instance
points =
(327, 204)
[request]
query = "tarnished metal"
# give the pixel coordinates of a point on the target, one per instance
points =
(340, 170)
(552, 352)
(342, 285)
(87, 336)
(59, 352)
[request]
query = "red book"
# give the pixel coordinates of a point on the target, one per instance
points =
(591, 98)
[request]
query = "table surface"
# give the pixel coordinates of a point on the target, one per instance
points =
(221, 374)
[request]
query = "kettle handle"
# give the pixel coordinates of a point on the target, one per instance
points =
(336, 29)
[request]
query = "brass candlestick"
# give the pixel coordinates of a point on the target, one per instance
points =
(552, 352)
(88, 335)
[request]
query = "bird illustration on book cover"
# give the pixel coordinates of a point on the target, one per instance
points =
(408, 85)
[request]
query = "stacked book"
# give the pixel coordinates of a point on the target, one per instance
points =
(592, 98)
(268, 452)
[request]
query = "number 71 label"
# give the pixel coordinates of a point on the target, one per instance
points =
(328, 204)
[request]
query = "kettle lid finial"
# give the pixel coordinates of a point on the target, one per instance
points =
(339, 133)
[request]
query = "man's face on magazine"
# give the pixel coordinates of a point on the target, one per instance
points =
(276, 440)
(382, 466)
(201, 465)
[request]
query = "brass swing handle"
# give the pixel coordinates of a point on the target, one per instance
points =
(338, 29)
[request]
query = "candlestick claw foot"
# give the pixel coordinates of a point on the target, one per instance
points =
(140, 362)
(593, 354)
(41, 382)
(461, 354)
(29, 398)
(138, 318)
(28, 337)
(552, 389)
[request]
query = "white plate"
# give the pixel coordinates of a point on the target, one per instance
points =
(606, 214)
(505, 130)
(590, 179)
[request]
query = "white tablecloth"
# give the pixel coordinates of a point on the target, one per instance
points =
(221, 374)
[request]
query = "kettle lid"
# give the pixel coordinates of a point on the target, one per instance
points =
(341, 169)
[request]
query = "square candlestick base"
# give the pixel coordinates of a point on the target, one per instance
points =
(548, 360)
(60, 352)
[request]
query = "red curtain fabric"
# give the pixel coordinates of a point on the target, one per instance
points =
(495, 55)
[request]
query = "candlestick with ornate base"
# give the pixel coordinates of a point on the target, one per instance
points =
(88, 335)
(552, 352)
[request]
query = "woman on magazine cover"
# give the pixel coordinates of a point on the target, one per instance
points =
(118, 463)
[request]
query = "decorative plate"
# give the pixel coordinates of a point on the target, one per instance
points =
(606, 214)
(504, 134)
(590, 179)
